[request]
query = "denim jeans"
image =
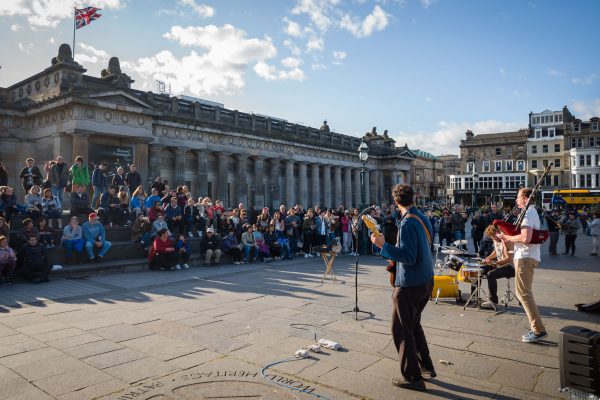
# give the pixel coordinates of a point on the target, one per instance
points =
(58, 192)
(285, 250)
(96, 197)
(247, 248)
(89, 246)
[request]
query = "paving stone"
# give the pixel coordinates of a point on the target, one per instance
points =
(161, 347)
(19, 321)
(120, 333)
(476, 366)
(92, 348)
(74, 341)
(548, 382)
(45, 368)
(138, 370)
(57, 334)
(525, 379)
(30, 393)
(191, 360)
(95, 391)
(71, 381)
(524, 355)
(44, 327)
(29, 356)
(112, 358)
(20, 347)
(197, 320)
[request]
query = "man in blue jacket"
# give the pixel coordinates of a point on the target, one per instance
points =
(99, 180)
(95, 236)
(412, 289)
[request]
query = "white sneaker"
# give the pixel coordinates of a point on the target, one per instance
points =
(489, 304)
(306, 256)
(56, 267)
(236, 263)
(190, 234)
(311, 255)
(178, 267)
(199, 233)
(186, 266)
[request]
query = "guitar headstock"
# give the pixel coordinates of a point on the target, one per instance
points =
(371, 224)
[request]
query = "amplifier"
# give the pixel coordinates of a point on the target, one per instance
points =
(579, 350)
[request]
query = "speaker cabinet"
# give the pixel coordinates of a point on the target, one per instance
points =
(579, 350)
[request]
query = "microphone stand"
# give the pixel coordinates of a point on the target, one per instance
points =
(357, 310)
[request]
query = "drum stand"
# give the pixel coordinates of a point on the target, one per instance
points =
(476, 295)
(509, 295)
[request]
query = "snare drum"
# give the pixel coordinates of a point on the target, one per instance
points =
(469, 273)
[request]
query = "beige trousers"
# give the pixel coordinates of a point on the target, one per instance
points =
(524, 268)
(209, 255)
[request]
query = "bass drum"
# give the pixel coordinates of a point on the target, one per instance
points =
(445, 287)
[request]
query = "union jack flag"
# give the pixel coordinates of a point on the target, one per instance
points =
(84, 16)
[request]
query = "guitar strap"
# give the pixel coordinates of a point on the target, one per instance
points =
(422, 224)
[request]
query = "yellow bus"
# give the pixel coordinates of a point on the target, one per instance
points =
(575, 198)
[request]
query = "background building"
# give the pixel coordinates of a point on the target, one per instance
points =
(583, 141)
(226, 154)
(428, 177)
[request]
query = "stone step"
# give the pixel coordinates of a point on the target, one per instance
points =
(115, 233)
(17, 220)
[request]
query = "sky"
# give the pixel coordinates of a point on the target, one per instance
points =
(425, 70)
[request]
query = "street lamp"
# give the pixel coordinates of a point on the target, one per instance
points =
(475, 182)
(363, 155)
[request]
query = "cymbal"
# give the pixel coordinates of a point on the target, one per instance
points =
(452, 251)
(459, 242)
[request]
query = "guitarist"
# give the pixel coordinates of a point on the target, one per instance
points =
(412, 289)
(526, 258)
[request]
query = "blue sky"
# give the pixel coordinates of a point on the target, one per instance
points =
(426, 70)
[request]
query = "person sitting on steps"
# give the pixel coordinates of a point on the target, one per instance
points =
(95, 237)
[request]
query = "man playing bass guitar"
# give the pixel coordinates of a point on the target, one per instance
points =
(412, 289)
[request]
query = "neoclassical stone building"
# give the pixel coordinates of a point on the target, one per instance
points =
(226, 154)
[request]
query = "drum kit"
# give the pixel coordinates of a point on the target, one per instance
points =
(458, 266)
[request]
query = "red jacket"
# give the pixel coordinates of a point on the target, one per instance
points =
(160, 247)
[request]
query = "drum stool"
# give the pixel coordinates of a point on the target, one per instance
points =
(509, 295)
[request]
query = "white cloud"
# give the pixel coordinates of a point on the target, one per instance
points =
(449, 134)
(555, 72)
(339, 55)
(293, 28)
(585, 109)
(15, 27)
(202, 10)
(426, 3)
(26, 48)
(584, 81)
(376, 21)
(317, 11)
(90, 54)
(48, 13)
(51, 40)
(291, 62)
(317, 66)
(270, 73)
(296, 51)
(315, 44)
(219, 69)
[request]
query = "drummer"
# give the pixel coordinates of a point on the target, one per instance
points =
(497, 265)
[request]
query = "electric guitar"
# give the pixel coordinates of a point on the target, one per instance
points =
(373, 227)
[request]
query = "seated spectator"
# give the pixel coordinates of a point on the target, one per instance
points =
(51, 207)
(153, 198)
(209, 212)
(124, 203)
(8, 262)
(263, 249)
(154, 211)
(212, 245)
(80, 202)
(140, 231)
(35, 265)
(137, 205)
(4, 229)
(95, 237)
(110, 211)
(264, 219)
(182, 247)
(166, 199)
(27, 231)
(192, 218)
(273, 242)
(181, 196)
(174, 217)
(46, 234)
(162, 254)
(72, 239)
(248, 244)
(159, 224)
(33, 203)
(9, 204)
(232, 247)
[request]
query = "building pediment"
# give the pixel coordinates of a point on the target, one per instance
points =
(120, 98)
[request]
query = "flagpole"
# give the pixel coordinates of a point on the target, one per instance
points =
(74, 23)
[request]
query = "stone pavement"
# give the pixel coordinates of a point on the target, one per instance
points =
(207, 333)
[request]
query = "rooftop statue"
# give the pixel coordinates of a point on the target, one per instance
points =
(114, 74)
(64, 55)
(324, 127)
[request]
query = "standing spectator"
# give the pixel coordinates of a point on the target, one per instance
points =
(159, 186)
(459, 219)
(51, 207)
(478, 225)
(33, 202)
(553, 224)
(4, 229)
(232, 247)
(174, 217)
(595, 233)
(59, 178)
(494, 214)
(191, 216)
(95, 237)
(137, 205)
(570, 227)
(354, 225)
(212, 245)
(390, 230)
(35, 266)
(99, 180)
(110, 208)
(182, 197)
(46, 234)
(445, 229)
(263, 249)
(182, 247)
(31, 175)
(346, 232)
(140, 231)
(308, 231)
(264, 219)
(133, 179)
(72, 239)
(46, 184)
(80, 175)
(9, 203)
(3, 175)
(118, 179)
(80, 202)
(162, 255)
(248, 245)
(292, 227)
(8, 262)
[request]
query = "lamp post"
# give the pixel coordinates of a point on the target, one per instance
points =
(363, 155)
(475, 182)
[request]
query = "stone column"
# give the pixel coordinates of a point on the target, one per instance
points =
(327, 185)
(202, 173)
(223, 172)
(347, 187)
(357, 187)
(154, 163)
(290, 196)
(81, 146)
(140, 159)
(242, 179)
(316, 186)
(179, 167)
(367, 187)
(337, 184)
(275, 189)
(303, 195)
(381, 190)
(259, 183)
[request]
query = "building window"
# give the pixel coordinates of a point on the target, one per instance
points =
(468, 183)
(576, 128)
(594, 127)
(557, 148)
(581, 161)
(591, 142)
(576, 142)
(498, 166)
(559, 117)
(497, 182)
(514, 182)
(588, 160)
(557, 163)
(509, 165)
(498, 151)
(520, 165)
(534, 164)
(534, 149)
(545, 148)
(486, 166)
(551, 132)
(588, 180)
(538, 133)
(598, 141)
(470, 166)
(555, 180)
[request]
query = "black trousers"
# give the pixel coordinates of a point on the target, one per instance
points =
(553, 242)
(495, 273)
(164, 260)
(570, 243)
(235, 253)
(407, 305)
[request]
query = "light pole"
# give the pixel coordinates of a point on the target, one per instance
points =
(363, 155)
(475, 182)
